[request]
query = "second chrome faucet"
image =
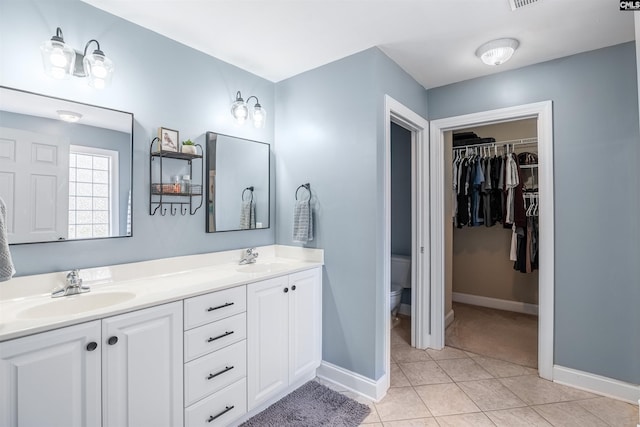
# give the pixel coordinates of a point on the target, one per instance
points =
(249, 256)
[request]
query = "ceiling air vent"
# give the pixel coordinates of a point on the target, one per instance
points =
(519, 4)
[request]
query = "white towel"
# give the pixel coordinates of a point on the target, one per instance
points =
(6, 263)
(247, 215)
(302, 221)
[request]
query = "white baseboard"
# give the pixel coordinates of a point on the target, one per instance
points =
(371, 389)
(499, 304)
(448, 319)
(597, 384)
(405, 309)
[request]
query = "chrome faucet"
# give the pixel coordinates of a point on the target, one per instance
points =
(249, 256)
(73, 286)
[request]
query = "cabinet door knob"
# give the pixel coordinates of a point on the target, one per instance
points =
(293, 288)
(286, 290)
(112, 340)
(92, 346)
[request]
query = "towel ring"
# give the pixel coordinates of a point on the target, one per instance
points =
(307, 187)
(250, 189)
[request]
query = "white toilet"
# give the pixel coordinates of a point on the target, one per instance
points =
(400, 279)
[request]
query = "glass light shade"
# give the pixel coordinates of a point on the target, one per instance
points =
(239, 110)
(58, 58)
(497, 52)
(259, 116)
(99, 69)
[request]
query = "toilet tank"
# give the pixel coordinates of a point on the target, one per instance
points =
(401, 270)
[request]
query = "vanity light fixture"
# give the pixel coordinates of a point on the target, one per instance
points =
(61, 61)
(241, 111)
(69, 116)
(498, 51)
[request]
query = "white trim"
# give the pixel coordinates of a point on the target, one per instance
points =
(543, 112)
(597, 384)
(449, 318)
(402, 115)
(374, 390)
(499, 304)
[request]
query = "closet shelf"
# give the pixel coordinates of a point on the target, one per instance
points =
(531, 166)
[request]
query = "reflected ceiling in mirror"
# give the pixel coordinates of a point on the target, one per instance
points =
(237, 183)
(65, 168)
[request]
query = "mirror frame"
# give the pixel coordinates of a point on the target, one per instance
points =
(208, 139)
(131, 171)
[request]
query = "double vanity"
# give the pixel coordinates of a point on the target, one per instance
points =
(196, 341)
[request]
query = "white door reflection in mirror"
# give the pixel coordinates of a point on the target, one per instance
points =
(33, 184)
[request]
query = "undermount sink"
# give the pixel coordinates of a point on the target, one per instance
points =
(261, 268)
(75, 304)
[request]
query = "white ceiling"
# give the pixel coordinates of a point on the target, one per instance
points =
(433, 40)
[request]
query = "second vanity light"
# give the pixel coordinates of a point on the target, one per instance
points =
(61, 61)
(240, 111)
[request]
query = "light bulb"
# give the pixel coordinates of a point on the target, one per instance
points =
(99, 69)
(57, 58)
(259, 116)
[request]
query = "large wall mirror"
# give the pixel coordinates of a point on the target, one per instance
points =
(237, 183)
(65, 168)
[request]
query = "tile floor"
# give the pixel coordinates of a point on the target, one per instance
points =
(455, 388)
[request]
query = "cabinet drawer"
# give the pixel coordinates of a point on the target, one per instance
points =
(214, 371)
(214, 336)
(214, 306)
(220, 409)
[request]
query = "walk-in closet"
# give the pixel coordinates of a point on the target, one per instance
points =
(492, 244)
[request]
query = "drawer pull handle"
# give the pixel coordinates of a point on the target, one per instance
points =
(226, 369)
(220, 306)
(226, 409)
(219, 336)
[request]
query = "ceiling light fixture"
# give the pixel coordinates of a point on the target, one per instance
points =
(69, 116)
(240, 111)
(61, 61)
(498, 51)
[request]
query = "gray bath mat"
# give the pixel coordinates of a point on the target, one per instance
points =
(312, 405)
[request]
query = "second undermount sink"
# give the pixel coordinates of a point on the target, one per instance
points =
(75, 304)
(266, 267)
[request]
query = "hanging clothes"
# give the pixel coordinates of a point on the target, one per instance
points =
(489, 190)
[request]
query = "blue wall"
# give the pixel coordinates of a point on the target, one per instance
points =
(330, 133)
(164, 84)
(400, 190)
(596, 176)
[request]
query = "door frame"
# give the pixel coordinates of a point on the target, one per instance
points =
(438, 220)
(398, 113)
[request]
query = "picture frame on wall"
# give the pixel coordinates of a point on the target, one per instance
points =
(168, 139)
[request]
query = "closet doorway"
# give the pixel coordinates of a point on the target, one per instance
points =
(491, 273)
(440, 219)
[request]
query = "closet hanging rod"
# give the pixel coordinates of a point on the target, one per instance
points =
(525, 141)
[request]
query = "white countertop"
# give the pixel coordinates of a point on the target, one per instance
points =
(138, 285)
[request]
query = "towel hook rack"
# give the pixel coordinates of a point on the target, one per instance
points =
(250, 190)
(307, 187)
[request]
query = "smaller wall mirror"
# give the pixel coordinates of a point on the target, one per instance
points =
(237, 183)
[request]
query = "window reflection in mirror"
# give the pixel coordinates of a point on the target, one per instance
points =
(237, 183)
(60, 179)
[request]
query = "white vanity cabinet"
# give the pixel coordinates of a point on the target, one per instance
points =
(284, 317)
(142, 368)
(122, 371)
(52, 379)
(215, 355)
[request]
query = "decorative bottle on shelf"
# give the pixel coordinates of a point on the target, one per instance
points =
(176, 184)
(186, 184)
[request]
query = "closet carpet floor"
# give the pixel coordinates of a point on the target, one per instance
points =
(499, 334)
(455, 388)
